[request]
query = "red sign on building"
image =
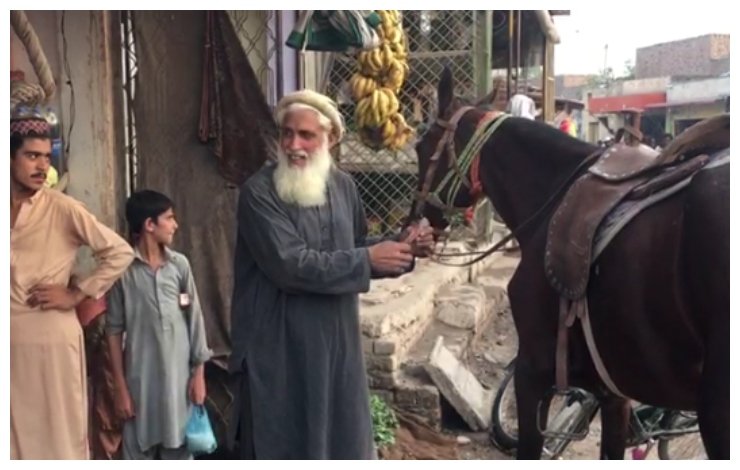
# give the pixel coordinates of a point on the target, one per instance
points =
(614, 104)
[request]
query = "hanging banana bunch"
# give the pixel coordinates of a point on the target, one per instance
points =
(376, 84)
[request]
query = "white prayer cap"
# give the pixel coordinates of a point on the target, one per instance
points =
(319, 102)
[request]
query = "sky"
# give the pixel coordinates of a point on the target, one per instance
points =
(623, 28)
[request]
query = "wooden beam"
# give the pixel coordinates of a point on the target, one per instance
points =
(548, 82)
(482, 47)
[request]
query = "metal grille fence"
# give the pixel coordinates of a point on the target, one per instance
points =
(256, 31)
(130, 71)
(388, 179)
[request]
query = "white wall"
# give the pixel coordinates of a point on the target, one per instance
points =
(645, 85)
(704, 89)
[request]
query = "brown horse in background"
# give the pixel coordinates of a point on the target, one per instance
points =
(658, 294)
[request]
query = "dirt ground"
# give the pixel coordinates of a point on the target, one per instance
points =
(494, 347)
(488, 355)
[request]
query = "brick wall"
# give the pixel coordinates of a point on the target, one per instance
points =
(695, 57)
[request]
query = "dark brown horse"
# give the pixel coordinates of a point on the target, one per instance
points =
(658, 295)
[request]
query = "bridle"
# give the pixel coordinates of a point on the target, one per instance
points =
(458, 168)
(456, 176)
(426, 195)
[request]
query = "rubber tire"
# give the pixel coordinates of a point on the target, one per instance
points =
(669, 421)
(498, 435)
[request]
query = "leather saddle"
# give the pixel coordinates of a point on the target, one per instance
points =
(622, 162)
(623, 172)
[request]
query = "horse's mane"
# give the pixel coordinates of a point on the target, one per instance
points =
(547, 137)
(536, 133)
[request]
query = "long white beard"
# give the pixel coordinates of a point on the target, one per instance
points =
(305, 186)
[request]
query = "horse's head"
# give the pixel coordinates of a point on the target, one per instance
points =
(438, 195)
(532, 161)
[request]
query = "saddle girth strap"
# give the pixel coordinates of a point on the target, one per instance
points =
(561, 347)
(569, 311)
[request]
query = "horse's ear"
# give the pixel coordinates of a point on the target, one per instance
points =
(490, 98)
(445, 91)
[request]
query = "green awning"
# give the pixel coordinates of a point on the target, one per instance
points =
(335, 30)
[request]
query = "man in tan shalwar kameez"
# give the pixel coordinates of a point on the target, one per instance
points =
(48, 387)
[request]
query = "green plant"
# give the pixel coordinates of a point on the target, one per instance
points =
(384, 422)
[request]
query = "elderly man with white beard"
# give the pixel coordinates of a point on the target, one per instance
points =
(302, 257)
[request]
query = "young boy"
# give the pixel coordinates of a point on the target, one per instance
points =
(156, 305)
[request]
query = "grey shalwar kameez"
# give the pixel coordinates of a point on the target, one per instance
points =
(165, 339)
(296, 340)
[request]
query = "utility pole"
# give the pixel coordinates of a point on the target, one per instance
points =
(604, 71)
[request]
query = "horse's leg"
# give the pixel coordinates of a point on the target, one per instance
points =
(615, 415)
(714, 396)
(530, 390)
(534, 308)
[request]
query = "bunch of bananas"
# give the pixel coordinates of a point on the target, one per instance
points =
(376, 84)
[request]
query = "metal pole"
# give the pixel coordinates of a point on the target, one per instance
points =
(518, 49)
(280, 91)
(511, 55)
(299, 61)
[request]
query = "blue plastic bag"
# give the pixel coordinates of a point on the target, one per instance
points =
(199, 435)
